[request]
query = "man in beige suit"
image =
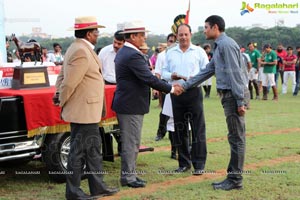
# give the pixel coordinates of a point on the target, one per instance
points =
(81, 95)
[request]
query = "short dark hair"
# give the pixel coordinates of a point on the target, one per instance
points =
(171, 35)
(206, 46)
(289, 48)
(82, 33)
(215, 19)
(55, 44)
(119, 35)
(183, 24)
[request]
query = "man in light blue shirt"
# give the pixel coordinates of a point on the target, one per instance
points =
(182, 62)
(228, 66)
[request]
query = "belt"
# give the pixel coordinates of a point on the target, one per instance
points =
(109, 83)
(223, 91)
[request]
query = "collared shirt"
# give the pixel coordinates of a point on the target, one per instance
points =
(90, 44)
(270, 57)
(160, 62)
(289, 58)
(254, 55)
(227, 64)
(186, 64)
(107, 57)
(132, 46)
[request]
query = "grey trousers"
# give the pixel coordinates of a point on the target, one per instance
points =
(236, 137)
(131, 129)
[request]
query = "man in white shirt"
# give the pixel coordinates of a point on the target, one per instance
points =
(107, 56)
(182, 62)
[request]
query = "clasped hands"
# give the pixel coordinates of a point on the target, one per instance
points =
(178, 89)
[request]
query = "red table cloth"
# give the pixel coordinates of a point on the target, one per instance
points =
(41, 114)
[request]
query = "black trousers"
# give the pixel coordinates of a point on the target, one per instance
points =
(163, 119)
(236, 137)
(85, 150)
(188, 109)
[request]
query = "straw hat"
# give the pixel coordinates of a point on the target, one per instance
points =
(144, 47)
(162, 45)
(134, 27)
(86, 22)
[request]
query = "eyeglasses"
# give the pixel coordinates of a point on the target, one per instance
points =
(96, 32)
(171, 41)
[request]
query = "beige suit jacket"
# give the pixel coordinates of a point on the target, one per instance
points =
(81, 85)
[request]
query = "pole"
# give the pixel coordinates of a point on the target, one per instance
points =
(2, 33)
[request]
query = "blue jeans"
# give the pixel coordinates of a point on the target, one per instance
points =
(236, 137)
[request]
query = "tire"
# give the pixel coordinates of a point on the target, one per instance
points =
(55, 155)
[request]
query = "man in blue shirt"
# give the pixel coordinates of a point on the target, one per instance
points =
(227, 65)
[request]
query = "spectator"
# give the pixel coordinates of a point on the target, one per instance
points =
(165, 120)
(297, 71)
(255, 57)
(268, 79)
(107, 58)
(281, 53)
(56, 57)
(289, 63)
(207, 84)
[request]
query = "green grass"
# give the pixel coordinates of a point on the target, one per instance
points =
(263, 119)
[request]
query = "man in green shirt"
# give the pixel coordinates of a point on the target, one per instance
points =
(268, 79)
(255, 57)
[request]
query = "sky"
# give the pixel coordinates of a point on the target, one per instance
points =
(56, 16)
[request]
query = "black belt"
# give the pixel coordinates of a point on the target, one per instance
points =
(109, 83)
(223, 91)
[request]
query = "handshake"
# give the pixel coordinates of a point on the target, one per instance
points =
(178, 89)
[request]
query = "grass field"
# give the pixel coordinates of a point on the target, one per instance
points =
(272, 162)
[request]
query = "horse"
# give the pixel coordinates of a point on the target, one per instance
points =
(33, 48)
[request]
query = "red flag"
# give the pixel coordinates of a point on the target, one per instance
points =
(187, 14)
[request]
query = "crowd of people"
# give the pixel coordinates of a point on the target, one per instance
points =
(269, 66)
(176, 72)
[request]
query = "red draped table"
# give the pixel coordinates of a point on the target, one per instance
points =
(43, 117)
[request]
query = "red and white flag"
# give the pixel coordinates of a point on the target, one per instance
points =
(187, 16)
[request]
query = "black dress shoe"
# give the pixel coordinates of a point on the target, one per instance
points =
(173, 155)
(83, 197)
(198, 172)
(159, 137)
(135, 184)
(182, 169)
(218, 183)
(228, 185)
(106, 192)
(141, 180)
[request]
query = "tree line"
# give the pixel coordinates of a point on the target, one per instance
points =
(274, 36)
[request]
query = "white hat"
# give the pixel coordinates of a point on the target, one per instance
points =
(134, 27)
(86, 22)
(144, 47)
